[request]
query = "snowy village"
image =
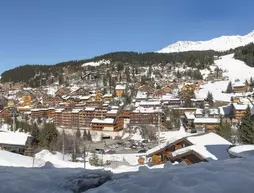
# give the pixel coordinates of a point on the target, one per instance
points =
(178, 119)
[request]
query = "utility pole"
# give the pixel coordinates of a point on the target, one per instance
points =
(84, 156)
(14, 122)
(63, 147)
(159, 128)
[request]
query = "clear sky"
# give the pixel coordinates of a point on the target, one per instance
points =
(51, 31)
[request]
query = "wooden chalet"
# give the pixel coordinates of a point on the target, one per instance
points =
(107, 97)
(14, 142)
(80, 92)
(107, 124)
(120, 89)
(62, 91)
(239, 111)
(206, 124)
(158, 93)
(148, 115)
(240, 87)
(6, 113)
(190, 150)
(167, 89)
(235, 99)
(197, 102)
(146, 88)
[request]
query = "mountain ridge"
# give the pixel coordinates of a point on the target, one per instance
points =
(222, 43)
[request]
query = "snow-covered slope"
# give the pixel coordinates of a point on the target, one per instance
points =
(96, 63)
(234, 70)
(222, 43)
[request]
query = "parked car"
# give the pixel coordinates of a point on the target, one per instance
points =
(142, 151)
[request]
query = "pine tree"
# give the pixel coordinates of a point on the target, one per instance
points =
(48, 136)
(229, 88)
(35, 133)
(246, 129)
(251, 82)
(85, 135)
(89, 136)
(210, 98)
(217, 70)
(78, 134)
(225, 131)
(61, 79)
(178, 74)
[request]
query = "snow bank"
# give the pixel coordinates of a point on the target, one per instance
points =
(16, 160)
(42, 180)
(230, 176)
(242, 150)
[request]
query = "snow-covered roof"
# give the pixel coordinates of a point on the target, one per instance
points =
(113, 111)
(85, 97)
(59, 110)
(190, 115)
(103, 121)
(150, 103)
(208, 139)
(35, 110)
(171, 137)
(199, 111)
(147, 110)
(76, 110)
(120, 87)
(238, 84)
(13, 138)
(209, 146)
(206, 120)
(201, 150)
(89, 108)
(197, 100)
(114, 107)
(240, 107)
(242, 151)
(214, 111)
(141, 95)
(107, 95)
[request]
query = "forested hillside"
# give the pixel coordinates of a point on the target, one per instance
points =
(33, 74)
(246, 54)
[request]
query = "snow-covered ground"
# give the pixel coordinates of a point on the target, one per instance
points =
(230, 176)
(96, 63)
(234, 69)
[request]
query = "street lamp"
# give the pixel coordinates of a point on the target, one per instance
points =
(14, 112)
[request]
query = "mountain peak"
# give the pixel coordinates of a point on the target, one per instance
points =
(251, 34)
(222, 43)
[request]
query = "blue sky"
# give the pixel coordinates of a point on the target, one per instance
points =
(51, 31)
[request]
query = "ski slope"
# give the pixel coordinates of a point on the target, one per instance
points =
(234, 70)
